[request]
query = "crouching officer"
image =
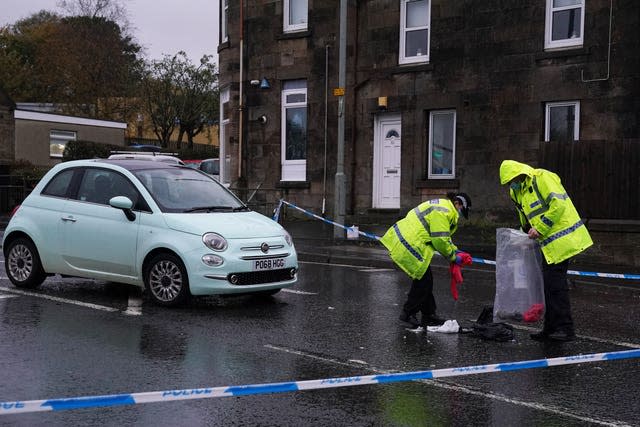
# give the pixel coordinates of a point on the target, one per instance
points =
(547, 214)
(412, 242)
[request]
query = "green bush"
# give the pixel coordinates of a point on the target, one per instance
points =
(77, 150)
(199, 152)
(28, 172)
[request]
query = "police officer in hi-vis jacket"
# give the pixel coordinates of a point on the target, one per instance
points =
(413, 241)
(547, 214)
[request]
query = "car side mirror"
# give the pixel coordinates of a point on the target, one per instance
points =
(124, 203)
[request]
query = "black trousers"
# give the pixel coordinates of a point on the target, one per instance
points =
(557, 316)
(420, 297)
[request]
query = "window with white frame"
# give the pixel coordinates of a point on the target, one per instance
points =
(58, 141)
(224, 134)
(224, 20)
(294, 130)
(564, 23)
(295, 15)
(442, 144)
(415, 22)
(562, 121)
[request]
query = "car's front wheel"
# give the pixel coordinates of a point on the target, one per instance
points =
(166, 280)
(23, 265)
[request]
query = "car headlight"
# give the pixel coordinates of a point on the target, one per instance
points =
(214, 241)
(288, 239)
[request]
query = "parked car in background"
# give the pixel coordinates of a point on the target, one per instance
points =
(212, 167)
(194, 164)
(145, 147)
(153, 156)
(168, 228)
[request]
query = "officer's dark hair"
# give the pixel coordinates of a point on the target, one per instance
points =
(464, 199)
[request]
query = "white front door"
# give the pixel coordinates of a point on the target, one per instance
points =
(386, 161)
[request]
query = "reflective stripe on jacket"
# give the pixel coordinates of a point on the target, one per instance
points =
(412, 241)
(543, 203)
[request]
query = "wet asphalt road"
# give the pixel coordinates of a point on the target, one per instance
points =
(337, 321)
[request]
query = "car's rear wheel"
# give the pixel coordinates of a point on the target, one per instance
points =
(166, 280)
(23, 265)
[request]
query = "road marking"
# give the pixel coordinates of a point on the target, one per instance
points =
(332, 264)
(584, 337)
(57, 299)
(450, 385)
(376, 270)
(7, 296)
(293, 291)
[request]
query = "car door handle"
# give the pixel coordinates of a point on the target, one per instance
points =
(392, 170)
(68, 218)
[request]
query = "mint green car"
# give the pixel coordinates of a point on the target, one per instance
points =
(168, 228)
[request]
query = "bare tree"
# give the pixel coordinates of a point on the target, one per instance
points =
(112, 10)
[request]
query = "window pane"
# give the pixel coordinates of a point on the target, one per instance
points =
(417, 13)
(296, 133)
(442, 144)
(58, 185)
(296, 97)
(563, 3)
(416, 43)
(562, 123)
(297, 12)
(566, 24)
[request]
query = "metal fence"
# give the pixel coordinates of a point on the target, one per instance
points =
(13, 190)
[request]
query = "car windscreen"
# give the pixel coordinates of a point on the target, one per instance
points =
(187, 190)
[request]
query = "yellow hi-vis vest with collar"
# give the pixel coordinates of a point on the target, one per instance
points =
(412, 241)
(543, 203)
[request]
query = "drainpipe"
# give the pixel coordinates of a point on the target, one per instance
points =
(608, 50)
(241, 107)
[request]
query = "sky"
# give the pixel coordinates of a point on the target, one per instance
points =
(159, 26)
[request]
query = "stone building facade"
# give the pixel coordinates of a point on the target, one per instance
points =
(437, 94)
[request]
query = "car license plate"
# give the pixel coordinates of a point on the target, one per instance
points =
(268, 264)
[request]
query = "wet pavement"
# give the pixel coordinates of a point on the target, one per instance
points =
(337, 321)
(73, 337)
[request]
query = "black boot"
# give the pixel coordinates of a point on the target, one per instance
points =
(410, 319)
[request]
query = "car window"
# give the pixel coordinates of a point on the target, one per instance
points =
(186, 189)
(100, 185)
(59, 184)
(211, 167)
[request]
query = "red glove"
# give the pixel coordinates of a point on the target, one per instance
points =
(456, 278)
(534, 313)
(465, 258)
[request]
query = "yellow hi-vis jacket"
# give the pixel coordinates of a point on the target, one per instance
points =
(412, 241)
(543, 203)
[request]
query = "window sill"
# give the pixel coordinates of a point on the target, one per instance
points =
(561, 53)
(411, 68)
(295, 35)
(293, 184)
(438, 183)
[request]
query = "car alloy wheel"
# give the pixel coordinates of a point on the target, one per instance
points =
(23, 264)
(167, 280)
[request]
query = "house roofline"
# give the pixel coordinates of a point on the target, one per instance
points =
(59, 118)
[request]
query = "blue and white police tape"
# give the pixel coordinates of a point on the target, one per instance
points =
(17, 407)
(276, 216)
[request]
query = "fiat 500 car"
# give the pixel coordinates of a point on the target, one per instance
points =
(168, 228)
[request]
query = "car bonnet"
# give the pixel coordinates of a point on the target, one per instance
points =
(231, 225)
